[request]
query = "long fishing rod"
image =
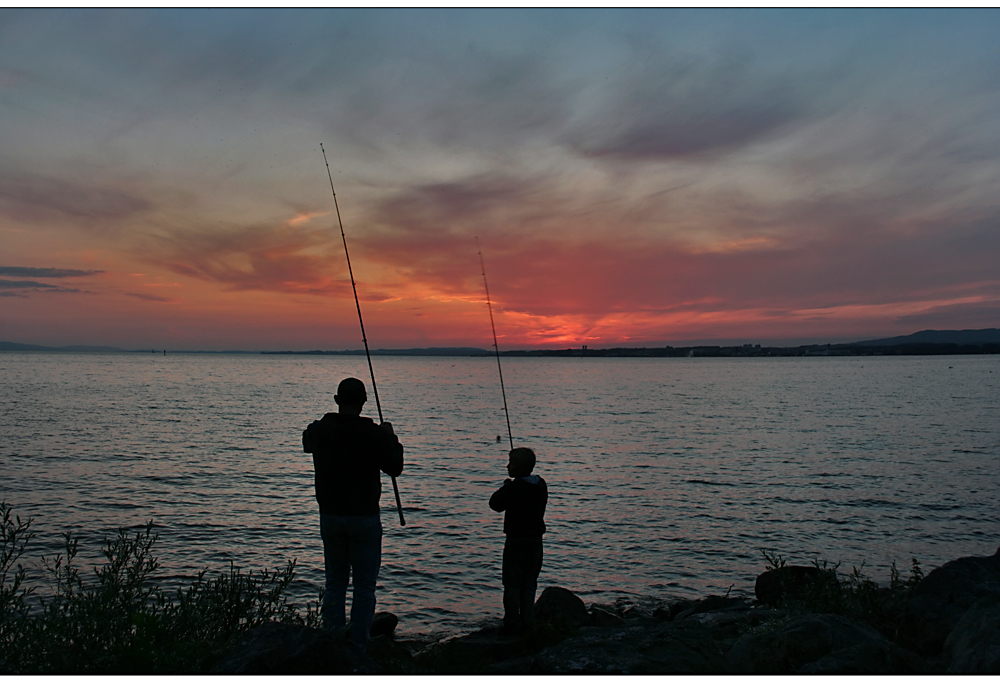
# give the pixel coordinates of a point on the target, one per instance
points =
(378, 404)
(495, 346)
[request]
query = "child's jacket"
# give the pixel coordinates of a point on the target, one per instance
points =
(523, 502)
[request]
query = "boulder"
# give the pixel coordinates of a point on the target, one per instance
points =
(274, 648)
(973, 646)
(826, 641)
(561, 605)
(941, 599)
(792, 581)
(383, 624)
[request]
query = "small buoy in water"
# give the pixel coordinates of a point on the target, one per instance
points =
(498, 438)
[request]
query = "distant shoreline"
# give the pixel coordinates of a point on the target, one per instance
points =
(744, 351)
(924, 343)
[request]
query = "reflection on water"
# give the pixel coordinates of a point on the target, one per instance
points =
(666, 476)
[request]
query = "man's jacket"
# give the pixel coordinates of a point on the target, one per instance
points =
(348, 452)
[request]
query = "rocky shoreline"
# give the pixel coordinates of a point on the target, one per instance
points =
(803, 620)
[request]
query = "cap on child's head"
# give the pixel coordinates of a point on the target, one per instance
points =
(523, 458)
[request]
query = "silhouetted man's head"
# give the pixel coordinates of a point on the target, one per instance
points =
(522, 461)
(351, 395)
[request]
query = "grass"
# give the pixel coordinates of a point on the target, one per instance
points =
(117, 621)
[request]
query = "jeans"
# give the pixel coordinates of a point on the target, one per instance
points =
(522, 562)
(351, 545)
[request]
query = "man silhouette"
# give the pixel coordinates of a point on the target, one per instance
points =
(348, 452)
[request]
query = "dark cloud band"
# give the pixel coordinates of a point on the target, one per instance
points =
(18, 271)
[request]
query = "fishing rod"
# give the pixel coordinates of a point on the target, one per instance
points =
(495, 346)
(378, 404)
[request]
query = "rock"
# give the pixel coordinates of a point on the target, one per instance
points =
(275, 648)
(665, 648)
(823, 640)
(940, 600)
(559, 604)
(638, 616)
(973, 646)
(711, 603)
(470, 653)
(383, 624)
(792, 581)
(873, 657)
(662, 614)
(599, 616)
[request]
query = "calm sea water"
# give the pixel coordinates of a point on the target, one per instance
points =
(666, 476)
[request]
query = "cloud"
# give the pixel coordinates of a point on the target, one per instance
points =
(149, 297)
(22, 287)
(9, 79)
(17, 271)
(975, 315)
(426, 233)
(290, 258)
(469, 202)
(669, 108)
(828, 255)
(23, 284)
(30, 198)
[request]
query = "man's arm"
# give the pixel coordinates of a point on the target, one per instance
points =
(392, 459)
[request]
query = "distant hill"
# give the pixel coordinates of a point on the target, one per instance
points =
(12, 346)
(961, 337)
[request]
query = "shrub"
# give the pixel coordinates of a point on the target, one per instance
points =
(121, 623)
(14, 538)
(854, 595)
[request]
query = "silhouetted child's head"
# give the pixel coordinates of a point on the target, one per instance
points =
(522, 461)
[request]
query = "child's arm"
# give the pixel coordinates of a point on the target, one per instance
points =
(310, 437)
(500, 498)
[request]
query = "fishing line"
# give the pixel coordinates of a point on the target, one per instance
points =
(495, 346)
(378, 404)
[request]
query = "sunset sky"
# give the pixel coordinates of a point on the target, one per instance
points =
(633, 176)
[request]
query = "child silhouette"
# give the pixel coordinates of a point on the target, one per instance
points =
(522, 499)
